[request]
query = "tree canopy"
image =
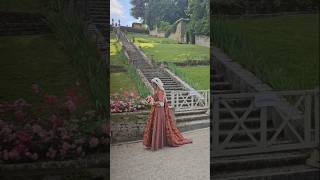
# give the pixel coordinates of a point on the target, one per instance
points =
(163, 13)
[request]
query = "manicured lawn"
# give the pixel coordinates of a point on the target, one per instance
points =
(175, 52)
(21, 5)
(197, 76)
(288, 47)
(144, 38)
(116, 55)
(165, 49)
(39, 59)
(120, 82)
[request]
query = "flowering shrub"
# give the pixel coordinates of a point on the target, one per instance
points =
(53, 130)
(128, 101)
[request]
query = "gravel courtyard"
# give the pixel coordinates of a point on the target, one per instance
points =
(131, 161)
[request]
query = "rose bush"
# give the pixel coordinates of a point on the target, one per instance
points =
(53, 129)
(128, 101)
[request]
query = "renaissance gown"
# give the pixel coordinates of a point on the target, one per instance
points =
(160, 129)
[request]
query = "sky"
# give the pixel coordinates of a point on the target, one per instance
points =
(120, 9)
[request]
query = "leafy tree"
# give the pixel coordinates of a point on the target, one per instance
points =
(152, 12)
(198, 12)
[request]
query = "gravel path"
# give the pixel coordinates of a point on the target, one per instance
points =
(131, 161)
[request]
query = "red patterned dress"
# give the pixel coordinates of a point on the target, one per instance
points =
(160, 129)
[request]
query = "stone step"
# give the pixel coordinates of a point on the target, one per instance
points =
(184, 113)
(257, 161)
(229, 91)
(217, 77)
(221, 85)
(291, 172)
(192, 117)
(244, 132)
(192, 125)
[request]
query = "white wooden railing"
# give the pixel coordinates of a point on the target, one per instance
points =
(286, 120)
(190, 100)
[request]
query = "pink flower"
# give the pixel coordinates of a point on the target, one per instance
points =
(34, 88)
(132, 94)
(50, 99)
(149, 99)
(36, 128)
(13, 154)
(20, 115)
(79, 150)
(20, 103)
(66, 146)
(56, 121)
(94, 142)
(71, 94)
(51, 153)
(21, 148)
(23, 137)
(70, 106)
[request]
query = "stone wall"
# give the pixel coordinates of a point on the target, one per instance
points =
(127, 126)
(202, 40)
(180, 33)
(157, 33)
(90, 167)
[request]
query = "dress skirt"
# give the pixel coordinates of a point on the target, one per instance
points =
(160, 129)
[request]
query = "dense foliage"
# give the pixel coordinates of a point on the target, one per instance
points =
(152, 12)
(72, 31)
(198, 12)
(165, 14)
(238, 7)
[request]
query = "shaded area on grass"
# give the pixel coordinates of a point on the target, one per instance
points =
(39, 59)
(283, 50)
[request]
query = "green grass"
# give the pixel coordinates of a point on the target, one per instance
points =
(39, 59)
(285, 49)
(197, 76)
(167, 50)
(174, 52)
(117, 57)
(123, 81)
(21, 5)
(144, 38)
(120, 82)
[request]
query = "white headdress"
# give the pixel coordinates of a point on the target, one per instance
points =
(158, 82)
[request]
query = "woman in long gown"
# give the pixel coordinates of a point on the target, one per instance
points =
(160, 129)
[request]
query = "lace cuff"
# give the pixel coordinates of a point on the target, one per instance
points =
(161, 104)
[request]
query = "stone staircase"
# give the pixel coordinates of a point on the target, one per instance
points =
(98, 11)
(18, 23)
(278, 165)
(185, 120)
